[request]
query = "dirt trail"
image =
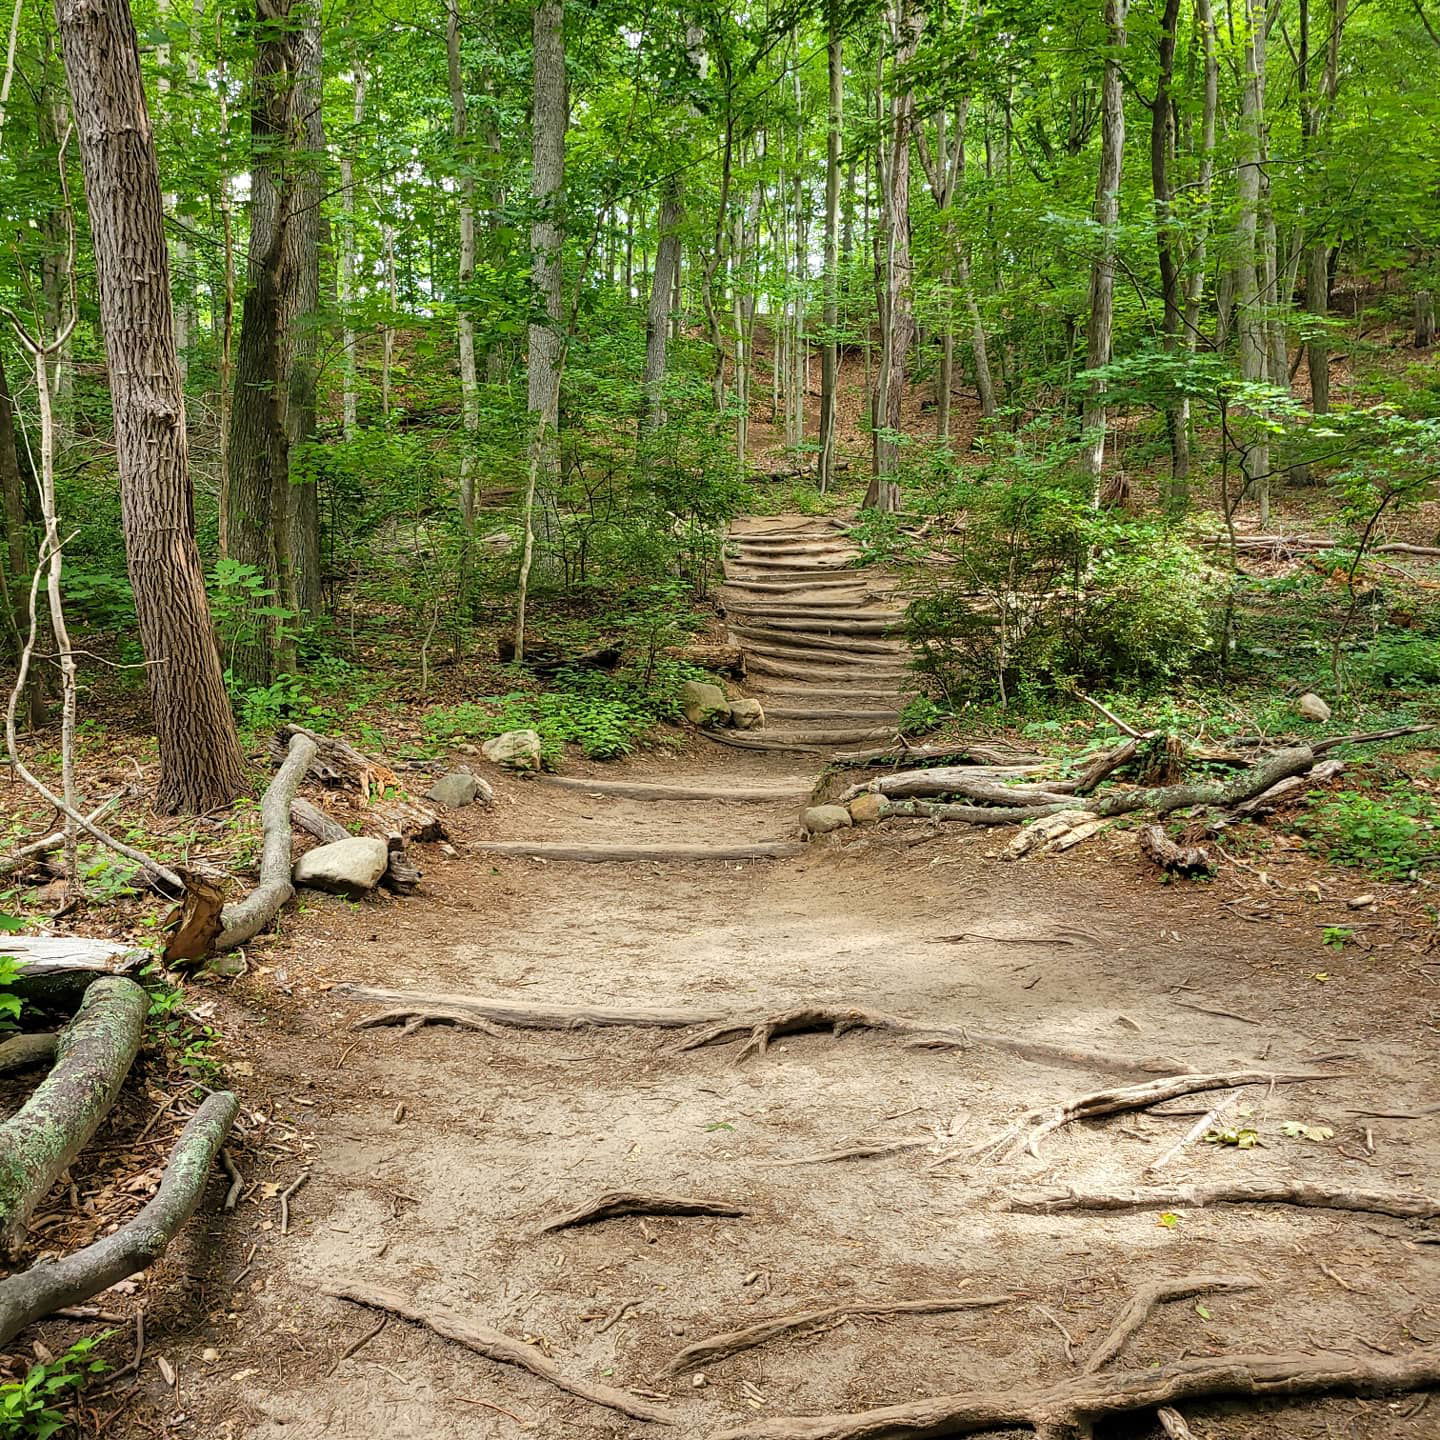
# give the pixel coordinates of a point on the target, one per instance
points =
(444, 1199)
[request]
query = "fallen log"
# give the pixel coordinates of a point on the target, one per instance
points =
(1073, 1406)
(1157, 847)
(21, 1052)
(631, 1202)
(44, 1288)
(1194, 1197)
(1106, 764)
(559, 1016)
(93, 1055)
(1147, 1297)
(57, 969)
(496, 1345)
(732, 1342)
(336, 763)
(245, 919)
(979, 754)
(982, 783)
(1368, 737)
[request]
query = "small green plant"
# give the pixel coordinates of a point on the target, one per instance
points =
(9, 973)
(28, 1407)
(1336, 937)
(920, 715)
(190, 1040)
(1391, 834)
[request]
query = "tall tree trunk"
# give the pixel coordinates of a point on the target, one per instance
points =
(1167, 239)
(1100, 326)
(550, 115)
(201, 766)
(1315, 118)
(349, 398)
(226, 305)
(465, 324)
(17, 550)
(830, 346)
(898, 332)
(1250, 321)
(661, 307)
(387, 332)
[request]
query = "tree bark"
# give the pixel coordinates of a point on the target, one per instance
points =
(830, 347)
(1167, 240)
(1100, 327)
(200, 762)
(1250, 317)
(465, 324)
(349, 399)
(657, 317)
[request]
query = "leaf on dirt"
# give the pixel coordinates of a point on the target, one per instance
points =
(718, 1125)
(1299, 1130)
(1242, 1137)
(1169, 1219)
(1321, 975)
(1201, 1311)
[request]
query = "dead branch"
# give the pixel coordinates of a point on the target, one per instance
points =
(1073, 1405)
(44, 1288)
(1320, 747)
(1147, 1297)
(1202, 1126)
(631, 1202)
(980, 783)
(245, 919)
(93, 1055)
(1106, 764)
(1173, 859)
(1194, 1197)
(336, 763)
(732, 1342)
(21, 1052)
(57, 969)
(1112, 717)
(48, 844)
(1172, 1422)
(1024, 1136)
(497, 1346)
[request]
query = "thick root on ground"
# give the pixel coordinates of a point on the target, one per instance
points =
(93, 1055)
(33, 1293)
(1071, 1407)
(1135, 1314)
(836, 1019)
(631, 1202)
(1194, 1197)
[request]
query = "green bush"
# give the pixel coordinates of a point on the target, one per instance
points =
(1390, 836)
(27, 1407)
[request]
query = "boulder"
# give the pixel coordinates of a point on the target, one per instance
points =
(867, 808)
(704, 703)
(747, 715)
(822, 819)
(1312, 707)
(515, 749)
(460, 788)
(344, 867)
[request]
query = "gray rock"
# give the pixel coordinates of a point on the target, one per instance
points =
(747, 715)
(703, 703)
(344, 867)
(867, 808)
(822, 819)
(515, 749)
(1312, 707)
(460, 788)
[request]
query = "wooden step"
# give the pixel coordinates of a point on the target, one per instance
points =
(764, 637)
(644, 790)
(603, 854)
(833, 674)
(832, 718)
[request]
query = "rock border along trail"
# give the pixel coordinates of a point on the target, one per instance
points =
(711, 1131)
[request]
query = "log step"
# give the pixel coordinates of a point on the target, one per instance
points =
(640, 790)
(865, 718)
(832, 674)
(602, 854)
(770, 638)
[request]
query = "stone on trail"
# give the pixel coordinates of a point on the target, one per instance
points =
(344, 867)
(867, 808)
(1312, 707)
(460, 788)
(515, 749)
(822, 819)
(704, 703)
(747, 715)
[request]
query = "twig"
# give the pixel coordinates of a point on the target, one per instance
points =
(616, 1316)
(1065, 1334)
(498, 1409)
(1201, 1127)
(237, 1180)
(294, 1188)
(355, 1346)
(630, 1202)
(1112, 717)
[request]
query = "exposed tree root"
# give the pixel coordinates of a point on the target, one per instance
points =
(44, 1288)
(497, 1346)
(862, 1151)
(93, 1055)
(542, 850)
(414, 1020)
(635, 790)
(632, 1202)
(1194, 1197)
(1072, 1406)
(521, 1014)
(983, 783)
(1162, 851)
(835, 1018)
(1025, 1135)
(21, 1052)
(1146, 1298)
(971, 752)
(732, 1342)
(245, 919)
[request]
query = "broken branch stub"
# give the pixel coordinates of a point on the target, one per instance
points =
(33, 1293)
(93, 1055)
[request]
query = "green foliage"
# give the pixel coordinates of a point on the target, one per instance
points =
(29, 1407)
(187, 1038)
(1391, 835)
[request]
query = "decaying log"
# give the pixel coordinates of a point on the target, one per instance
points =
(21, 1052)
(1106, 764)
(1042, 832)
(1147, 1297)
(1072, 1406)
(245, 919)
(985, 784)
(57, 969)
(93, 1055)
(1319, 774)
(732, 1342)
(971, 751)
(631, 1202)
(195, 923)
(401, 876)
(1161, 850)
(1194, 1197)
(925, 1035)
(336, 762)
(1321, 747)
(36, 1292)
(497, 1346)
(1025, 1135)
(1305, 544)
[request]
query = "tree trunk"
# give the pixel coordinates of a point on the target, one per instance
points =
(465, 324)
(200, 762)
(830, 347)
(1250, 317)
(657, 318)
(898, 325)
(12, 502)
(349, 402)
(1162, 153)
(1100, 327)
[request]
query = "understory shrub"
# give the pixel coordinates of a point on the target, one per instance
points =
(1391, 835)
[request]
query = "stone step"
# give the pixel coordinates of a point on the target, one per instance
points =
(601, 854)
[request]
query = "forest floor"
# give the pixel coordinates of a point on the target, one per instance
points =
(434, 1157)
